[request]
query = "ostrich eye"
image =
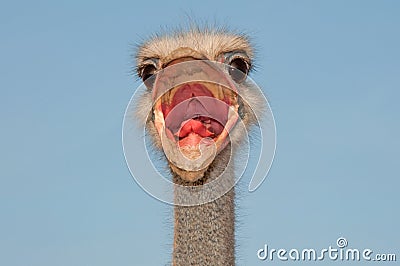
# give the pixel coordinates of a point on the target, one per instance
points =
(147, 72)
(148, 76)
(238, 69)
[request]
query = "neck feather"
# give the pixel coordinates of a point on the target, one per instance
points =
(204, 234)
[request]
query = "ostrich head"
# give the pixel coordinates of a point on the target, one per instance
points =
(197, 84)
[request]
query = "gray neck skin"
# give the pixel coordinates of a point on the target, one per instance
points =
(204, 234)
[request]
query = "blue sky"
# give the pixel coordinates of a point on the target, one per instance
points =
(332, 75)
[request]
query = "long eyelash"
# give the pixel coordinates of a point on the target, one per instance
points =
(144, 63)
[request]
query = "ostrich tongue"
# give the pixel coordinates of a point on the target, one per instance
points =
(203, 115)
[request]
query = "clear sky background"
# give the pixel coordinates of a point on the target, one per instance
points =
(331, 70)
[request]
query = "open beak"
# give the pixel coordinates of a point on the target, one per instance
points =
(195, 107)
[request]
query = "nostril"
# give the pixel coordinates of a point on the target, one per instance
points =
(182, 54)
(179, 60)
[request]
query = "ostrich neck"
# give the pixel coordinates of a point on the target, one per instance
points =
(204, 234)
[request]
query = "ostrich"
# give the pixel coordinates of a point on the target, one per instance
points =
(203, 234)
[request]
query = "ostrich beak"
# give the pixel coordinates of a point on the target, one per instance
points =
(195, 108)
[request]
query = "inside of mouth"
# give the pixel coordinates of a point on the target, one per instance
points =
(194, 111)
